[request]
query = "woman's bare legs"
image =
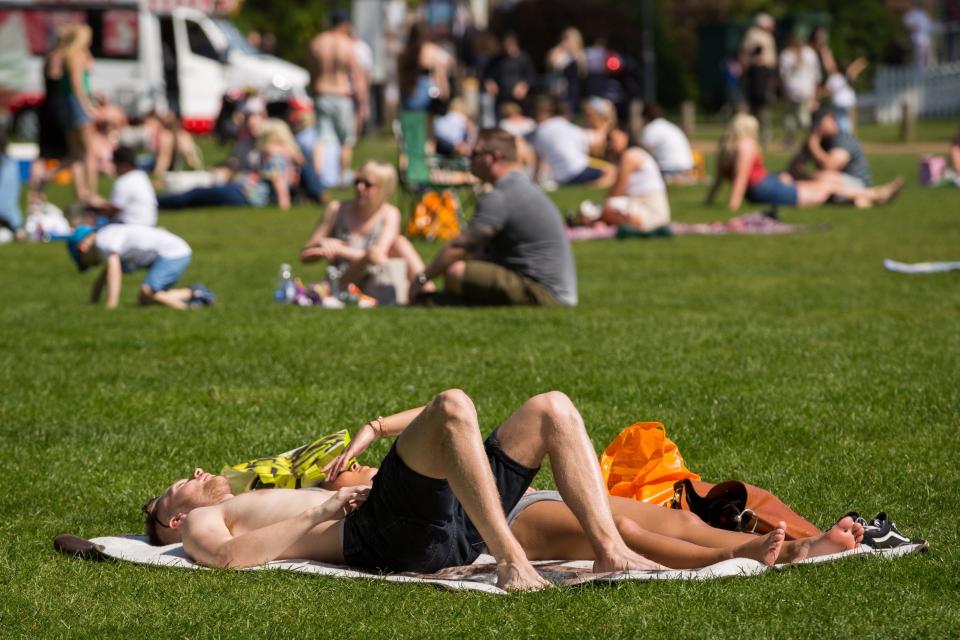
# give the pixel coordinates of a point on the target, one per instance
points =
(76, 157)
(812, 193)
(90, 162)
(549, 531)
(667, 535)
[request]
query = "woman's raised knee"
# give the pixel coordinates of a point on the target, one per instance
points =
(376, 256)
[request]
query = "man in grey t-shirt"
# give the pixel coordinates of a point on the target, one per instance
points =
(515, 249)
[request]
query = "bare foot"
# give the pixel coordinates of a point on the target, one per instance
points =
(625, 560)
(520, 577)
(844, 535)
(890, 191)
(764, 548)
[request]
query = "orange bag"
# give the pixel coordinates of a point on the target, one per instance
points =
(435, 217)
(642, 463)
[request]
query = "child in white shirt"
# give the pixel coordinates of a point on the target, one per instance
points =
(123, 248)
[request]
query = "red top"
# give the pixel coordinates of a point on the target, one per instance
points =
(757, 171)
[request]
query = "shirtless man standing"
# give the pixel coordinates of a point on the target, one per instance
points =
(435, 483)
(337, 80)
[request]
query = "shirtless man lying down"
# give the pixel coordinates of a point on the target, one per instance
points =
(435, 483)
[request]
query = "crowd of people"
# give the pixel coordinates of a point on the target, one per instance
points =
(549, 133)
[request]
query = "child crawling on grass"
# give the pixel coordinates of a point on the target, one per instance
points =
(123, 248)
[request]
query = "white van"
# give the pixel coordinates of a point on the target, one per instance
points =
(151, 54)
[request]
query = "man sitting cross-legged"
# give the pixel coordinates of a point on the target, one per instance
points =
(515, 250)
(413, 521)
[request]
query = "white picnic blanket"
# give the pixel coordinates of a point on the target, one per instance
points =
(480, 576)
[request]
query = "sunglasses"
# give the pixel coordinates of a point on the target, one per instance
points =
(150, 510)
(363, 181)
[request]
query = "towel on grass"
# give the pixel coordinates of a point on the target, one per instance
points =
(749, 224)
(479, 576)
(920, 267)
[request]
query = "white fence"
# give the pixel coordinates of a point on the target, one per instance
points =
(931, 93)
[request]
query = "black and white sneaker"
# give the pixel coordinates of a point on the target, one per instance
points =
(882, 533)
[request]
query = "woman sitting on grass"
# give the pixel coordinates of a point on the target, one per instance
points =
(740, 160)
(638, 197)
(271, 181)
(359, 234)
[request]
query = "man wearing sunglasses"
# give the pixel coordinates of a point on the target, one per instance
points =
(515, 250)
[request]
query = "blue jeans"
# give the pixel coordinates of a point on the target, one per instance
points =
(165, 272)
(772, 190)
(224, 194)
(10, 193)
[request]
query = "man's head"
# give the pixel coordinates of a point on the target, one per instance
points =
(340, 21)
(81, 249)
(511, 46)
(765, 21)
(124, 159)
(544, 108)
(494, 155)
(824, 122)
(165, 514)
(651, 111)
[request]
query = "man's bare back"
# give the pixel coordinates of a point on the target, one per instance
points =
(333, 59)
(262, 526)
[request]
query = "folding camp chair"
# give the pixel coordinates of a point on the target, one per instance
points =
(420, 171)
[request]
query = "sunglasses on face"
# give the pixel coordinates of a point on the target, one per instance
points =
(363, 181)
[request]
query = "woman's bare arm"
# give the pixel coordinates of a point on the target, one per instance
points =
(746, 152)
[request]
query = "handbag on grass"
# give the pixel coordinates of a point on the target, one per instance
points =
(738, 506)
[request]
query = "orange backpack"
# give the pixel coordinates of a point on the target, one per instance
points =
(642, 463)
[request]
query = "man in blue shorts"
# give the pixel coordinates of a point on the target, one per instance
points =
(123, 248)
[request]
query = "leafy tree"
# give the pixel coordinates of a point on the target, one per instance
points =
(293, 22)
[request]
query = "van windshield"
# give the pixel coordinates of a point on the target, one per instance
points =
(235, 38)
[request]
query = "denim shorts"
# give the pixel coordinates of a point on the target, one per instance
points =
(410, 522)
(72, 114)
(165, 272)
(772, 190)
(589, 174)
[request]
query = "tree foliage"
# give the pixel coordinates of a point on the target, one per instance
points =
(293, 22)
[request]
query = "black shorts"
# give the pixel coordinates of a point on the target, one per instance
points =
(414, 523)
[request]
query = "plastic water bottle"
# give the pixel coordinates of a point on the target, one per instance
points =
(333, 277)
(285, 289)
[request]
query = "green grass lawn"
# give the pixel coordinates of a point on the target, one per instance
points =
(795, 362)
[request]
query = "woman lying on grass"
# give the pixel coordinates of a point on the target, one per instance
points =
(273, 178)
(545, 527)
(740, 160)
(358, 234)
